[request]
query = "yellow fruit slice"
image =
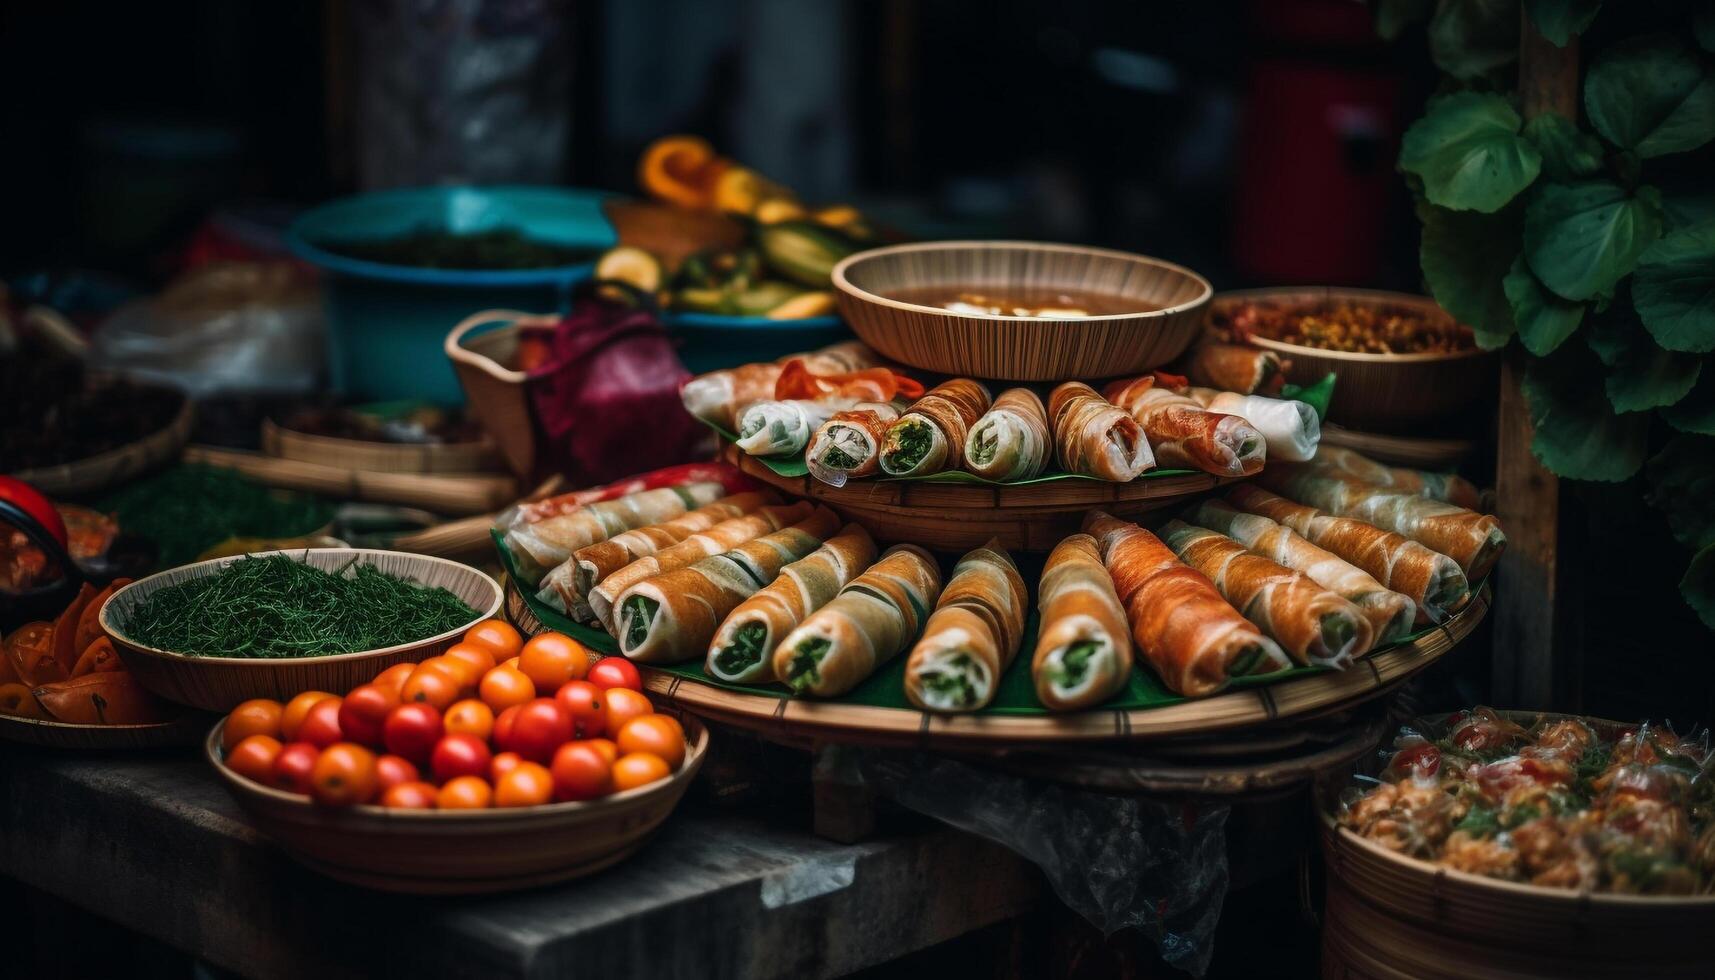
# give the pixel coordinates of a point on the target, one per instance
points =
(630, 265)
(803, 306)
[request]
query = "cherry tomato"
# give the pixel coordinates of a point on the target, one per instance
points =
(470, 717)
(254, 757)
(581, 772)
(583, 701)
(475, 656)
(551, 659)
(464, 793)
(638, 769)
(503, 723)
(503, 763)
(391, 770)
(497, 637)
(504, 687)
(616, 672)
(624, 704)
(412, 730)
(459, 755)
(509, 662)
(293, 715)
(321, 723)
(410, 796)
(658, 735)
(255, 717)
(527, 784)
(434, 684)
(394, 677)
(542, 726)
(463, 667)
(344, 775)
(293, 767)
(606, 747)
(364, 711)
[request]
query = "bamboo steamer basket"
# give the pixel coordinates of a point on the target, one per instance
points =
(464, 852)
(46, 733)
(221, 683)
(1172, 301)
(378, 457)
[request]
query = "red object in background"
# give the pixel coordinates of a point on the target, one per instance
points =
(32, 502)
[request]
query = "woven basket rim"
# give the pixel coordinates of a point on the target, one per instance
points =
(1377, 296)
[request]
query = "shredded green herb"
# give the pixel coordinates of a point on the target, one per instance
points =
(988, 440)
(838, 458)
(1480, 821)
(1076, 662)
(805, 669)
(639, 613)
(914, 439)
(187, 509)
(955, 684)
(745, 650)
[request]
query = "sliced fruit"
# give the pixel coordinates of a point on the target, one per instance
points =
(763, 298)
(632, 266)
(803, 251)
(740, 190)
(775, 210)
(681, 170)
(804, 305)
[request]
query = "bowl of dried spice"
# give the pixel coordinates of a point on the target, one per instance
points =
(216, 633)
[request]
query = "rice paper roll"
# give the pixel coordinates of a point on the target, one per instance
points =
(1181, 625)
(849, 443)
(1235, 367)
(742, 651)
(1473, 540)
(672, 617)
(1083, 651)
(784, 428)
(930, 436)
(972, 636)
(1095, 437)
(1290, 428)
(541, 545)
(1011, 441)
(1390, 613)
(871, 621)
(1433, 581)
(724, 536)
(1185, 435)
(719, 396)
(1448, 487)
(1315, 626)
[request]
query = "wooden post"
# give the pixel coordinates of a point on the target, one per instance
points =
(1525, 671)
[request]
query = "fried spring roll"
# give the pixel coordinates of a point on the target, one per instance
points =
(1447, 487)
(541, 545)
(719, 396)
(849, 443)
(1083, 643)
(871, 621)
(1234, 367)
(1011, 441)
(930, 436)
(1094, 437)
(1290, 428)
(1185, 435)
(784, 428)
(972, 636)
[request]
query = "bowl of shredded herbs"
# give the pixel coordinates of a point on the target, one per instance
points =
(216, 633)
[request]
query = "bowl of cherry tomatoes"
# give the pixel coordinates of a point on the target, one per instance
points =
(406, 782)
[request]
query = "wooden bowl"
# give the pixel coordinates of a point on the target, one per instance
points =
(1382, 393)
(430, 852)
(220, 683)
(1021, 348)
(46, 733)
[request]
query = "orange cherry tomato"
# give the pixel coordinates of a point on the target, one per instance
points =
(497, 637)
(344, 775)
(410, 796)
(469, 717)
(462, 671)
(254, 758)
(465, 793)
(510, 662)
(623, 705)
(391, 770)
(581, 772)
(504, 687)
(606, 747)
(293, 767)
(527, 784)
(259, 716)
(638, 769)
(551, 659)
(433, 684)
(658, 735)
(364, 711)
(502, 764)
(296, 709)
(394, 677)
(321, 724)
(478, 660)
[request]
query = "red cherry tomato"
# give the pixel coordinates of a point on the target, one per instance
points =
(293, 766)
(410, 796)
(542, 726)
(616, 672)
(581, 772)
(460, 755)
(411, 730)
(321, 723)
(364, 712)
(502, 764)
(503, 723)
(391, 770)
(344, 775)
(583, 701)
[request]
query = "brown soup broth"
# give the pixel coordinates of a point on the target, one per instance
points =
(1002, 301)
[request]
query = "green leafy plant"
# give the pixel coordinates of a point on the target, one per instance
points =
(1559, 232)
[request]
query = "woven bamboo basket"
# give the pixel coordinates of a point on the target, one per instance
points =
(220, 683)
(183, 730)
(466, 852)
(1173, 300)
(93, 474)
(480, 353)
(378, 457)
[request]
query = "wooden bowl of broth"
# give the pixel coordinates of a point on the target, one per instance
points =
(1021, 311)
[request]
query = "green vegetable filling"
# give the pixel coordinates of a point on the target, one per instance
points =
(804, 672)
(988, 442)
(837, 458)
(1245, 662)
(1075, 662)
(954, 684)
(1337, 631)
(908, 444)
(1247, 447)
(639, 615)
(744, 652)
(752, 426)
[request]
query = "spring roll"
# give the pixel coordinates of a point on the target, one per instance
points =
(1390, 613)
(871, 621)
(1312, 624)
(849, 443)
(972, 636)
(671, 617)
(1083, 643)
(719, 396)
(1446, 487)
(546, 543)
(1094, 437)
(930, 437)
(1290, 428)
(1234, 367)
(1473, 540)
(742, 652)
(724, 536)
(1431, 580)
(1193, 638)
(1011, 441)
(1185, 435)
(784, 428)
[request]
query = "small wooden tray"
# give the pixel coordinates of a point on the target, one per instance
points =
(183, 730)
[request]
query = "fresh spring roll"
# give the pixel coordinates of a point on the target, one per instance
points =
(1011, 441)
(1083, 643)
(1184, 434)
(719, 396)
(548, 542)
(930, 436)
(871, 621)
(742, 652)
(671, 618)
(1193, 638)
(1433, 581)
(1290, 428)
(1390, 613)
(1234, 367)
(724, 536)
(972, 636)
(1473, 540)
(784, 428)
(849, 443)
(1094, 437)
(1313, 625)
(1448, 487)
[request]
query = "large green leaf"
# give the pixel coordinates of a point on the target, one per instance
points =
(1674, 288)
(1469, 152)
(1544, 320)
(1561, 20)
(1703, 25)
(1465, 256)
(1471, 38)
(1580, 239)
(1577, 434)
(1652, 95)
(1640, 374)
(1684, 210)
(1696, 411)
(1698, 585)
(1568, 153)
(1394, 16)
(1682, 485)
